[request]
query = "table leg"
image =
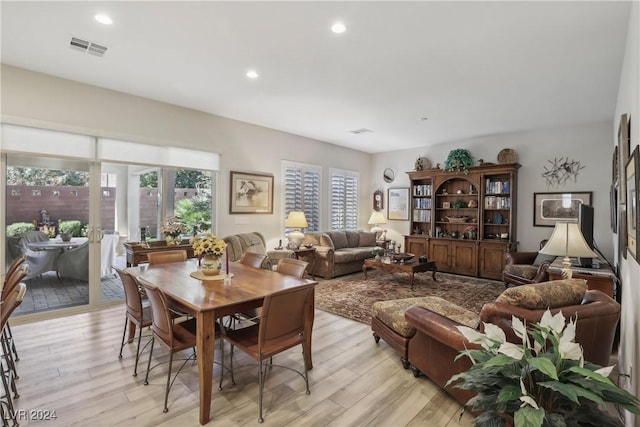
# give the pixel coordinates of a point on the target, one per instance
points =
(308, 328)
(205, 339)
(132, 332)
(412, 274)
(433, 274)
(364, 270)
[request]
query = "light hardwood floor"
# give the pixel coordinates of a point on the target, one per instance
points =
(70, 365)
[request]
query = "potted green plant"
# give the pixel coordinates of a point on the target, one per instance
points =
(458, 160)
(544, 381)
(68, 229)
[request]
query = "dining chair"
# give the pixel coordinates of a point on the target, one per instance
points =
(175, 336)
(12, 300)
(164, 257)
(281, 327)
(252, 259)
(292, 267)
(138, 313)
(6, 336)
(17, 262)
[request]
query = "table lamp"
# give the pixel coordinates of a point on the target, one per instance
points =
(567, 240)
(297, 221)
(376, 219)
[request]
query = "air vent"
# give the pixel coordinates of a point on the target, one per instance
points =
(87, 46)
(361, 130)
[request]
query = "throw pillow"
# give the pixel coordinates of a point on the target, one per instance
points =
(540, 296)
(352, 238)
(367, 238)
(339, 239)
(542, 258)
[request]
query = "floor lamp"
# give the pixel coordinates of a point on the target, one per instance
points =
(567, 241)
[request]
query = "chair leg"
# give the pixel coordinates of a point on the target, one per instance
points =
(7, 391)
(146, 377)
(166, 392)
(6, 339)
(306, 373)
(11, 368)
(13, 343)
(261, 386)
(124, 332)
(135, 369)
(221, 363)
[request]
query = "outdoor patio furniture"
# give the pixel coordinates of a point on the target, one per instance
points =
(39, 261)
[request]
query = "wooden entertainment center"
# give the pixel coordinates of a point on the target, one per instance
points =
(464, 222)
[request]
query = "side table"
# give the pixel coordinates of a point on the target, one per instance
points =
(309, 255)
(602, 279)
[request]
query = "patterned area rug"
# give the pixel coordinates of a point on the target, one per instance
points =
(352, 296)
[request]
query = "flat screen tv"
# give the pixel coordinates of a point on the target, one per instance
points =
(585, 221)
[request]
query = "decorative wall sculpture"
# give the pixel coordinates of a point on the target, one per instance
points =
(561, 170)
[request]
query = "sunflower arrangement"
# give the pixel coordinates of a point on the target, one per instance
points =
(207, 244)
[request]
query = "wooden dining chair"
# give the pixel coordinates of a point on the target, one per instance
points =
(281, 327)
(11, 301)
(292, 267)
(137, 312)
(6, 336)
(252, 259)
(163, 257)
(14, 266)
(175, 336)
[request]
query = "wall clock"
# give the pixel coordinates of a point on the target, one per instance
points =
(377, 200)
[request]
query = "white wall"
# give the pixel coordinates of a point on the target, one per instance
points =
(629, 103)
(589, 144)
(41, 100)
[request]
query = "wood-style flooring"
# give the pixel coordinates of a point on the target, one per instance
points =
(70, 366)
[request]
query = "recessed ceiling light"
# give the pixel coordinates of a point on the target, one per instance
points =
(338, 28)
(252, 74)
(103, 19)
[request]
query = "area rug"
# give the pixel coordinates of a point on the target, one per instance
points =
(352, 296)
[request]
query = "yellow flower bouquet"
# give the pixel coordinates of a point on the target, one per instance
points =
(207, 244)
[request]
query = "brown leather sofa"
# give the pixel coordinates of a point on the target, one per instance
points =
(437, 342)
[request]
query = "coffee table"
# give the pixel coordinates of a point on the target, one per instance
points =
(412, 267)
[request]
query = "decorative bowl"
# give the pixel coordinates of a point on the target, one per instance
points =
(403, 256)
(457, 219)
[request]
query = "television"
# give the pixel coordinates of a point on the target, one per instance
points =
(585, 222)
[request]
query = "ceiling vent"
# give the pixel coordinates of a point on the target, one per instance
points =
(361, 130)
(87, 46)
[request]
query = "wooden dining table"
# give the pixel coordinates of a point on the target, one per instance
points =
(211, 300)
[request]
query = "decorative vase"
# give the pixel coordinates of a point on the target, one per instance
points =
(210, 265)
(172, 240)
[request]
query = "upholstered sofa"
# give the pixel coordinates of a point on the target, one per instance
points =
(340, 252)
(429, 336)
(237, 244)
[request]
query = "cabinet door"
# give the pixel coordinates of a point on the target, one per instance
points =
(491, 260)
(465, 258)
(439, 251)
(416, 245)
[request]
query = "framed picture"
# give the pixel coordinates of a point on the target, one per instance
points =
(446, 205)
(613, 205)
(623, 153)
(250, 193)
(633, 225)
(560, 206)
(398, 203)
(622, 232)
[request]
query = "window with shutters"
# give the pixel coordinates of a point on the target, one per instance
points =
(302, 192)
(344, 199)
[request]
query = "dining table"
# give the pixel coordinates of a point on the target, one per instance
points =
(241, 288)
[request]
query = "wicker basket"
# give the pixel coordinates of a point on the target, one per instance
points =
(457, 219)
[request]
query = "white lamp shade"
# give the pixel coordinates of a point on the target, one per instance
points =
(296, 219)
(377, 218)
(567, 241)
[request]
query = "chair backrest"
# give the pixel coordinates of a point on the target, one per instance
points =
(283, 316)
(14, 265)
(12, 280)
(131, 293)
(292, 267)
(164, 257)
(11, 302)
(253, 259)
(161, 316)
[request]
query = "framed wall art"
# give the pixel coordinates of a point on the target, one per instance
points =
(559, 206)
(633, 218)
(250, 193)
(398, 203)
(623, 153)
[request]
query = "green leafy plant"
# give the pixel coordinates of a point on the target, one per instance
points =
(18, 228)
(377, 251)
(458, 204)
(74, 227)
(458, 160)
(544, 381)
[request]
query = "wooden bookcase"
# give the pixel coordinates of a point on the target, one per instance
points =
(465, 222)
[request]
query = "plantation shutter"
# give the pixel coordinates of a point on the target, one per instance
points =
(344, 200)
(302, 192)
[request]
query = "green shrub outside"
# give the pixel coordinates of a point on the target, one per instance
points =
(18, 228)
(71, 226)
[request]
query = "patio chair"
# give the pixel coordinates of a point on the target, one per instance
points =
(74, 263)
(39, 261)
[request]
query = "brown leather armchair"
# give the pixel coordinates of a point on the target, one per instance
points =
(523, 268)
(437, 340)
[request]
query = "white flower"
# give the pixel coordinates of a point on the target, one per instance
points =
(556, 323)
(570, 350)
(494, 333)
(513, 351)
(471, 335)
(605, 372)
(525, 398)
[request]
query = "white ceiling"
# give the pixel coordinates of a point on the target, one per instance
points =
(473, 68)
